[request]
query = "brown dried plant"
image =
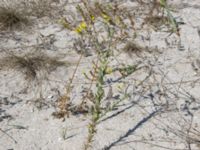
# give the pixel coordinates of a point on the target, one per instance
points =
(31, 64)
(16, 14)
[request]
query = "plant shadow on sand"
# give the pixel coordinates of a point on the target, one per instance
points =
(130, 131)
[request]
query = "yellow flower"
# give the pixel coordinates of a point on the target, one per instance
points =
(92, 17)
(106, 17)
(109, 70)
(82, 26)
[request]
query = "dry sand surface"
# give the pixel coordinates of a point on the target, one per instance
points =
(156, 107)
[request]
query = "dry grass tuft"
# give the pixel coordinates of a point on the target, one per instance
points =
(156, 21)
(17, 14)
(32, 64)
(12, 18)
(132, 48)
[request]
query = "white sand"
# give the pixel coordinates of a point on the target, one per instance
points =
(174, 83)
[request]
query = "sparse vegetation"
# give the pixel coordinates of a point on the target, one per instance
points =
(124, 74)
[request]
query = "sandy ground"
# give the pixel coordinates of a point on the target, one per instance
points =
(161, 113)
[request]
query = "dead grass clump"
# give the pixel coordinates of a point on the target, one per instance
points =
(32, 65)
(16, 14)
(156, 21)
(132, 48)
(13, 18)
